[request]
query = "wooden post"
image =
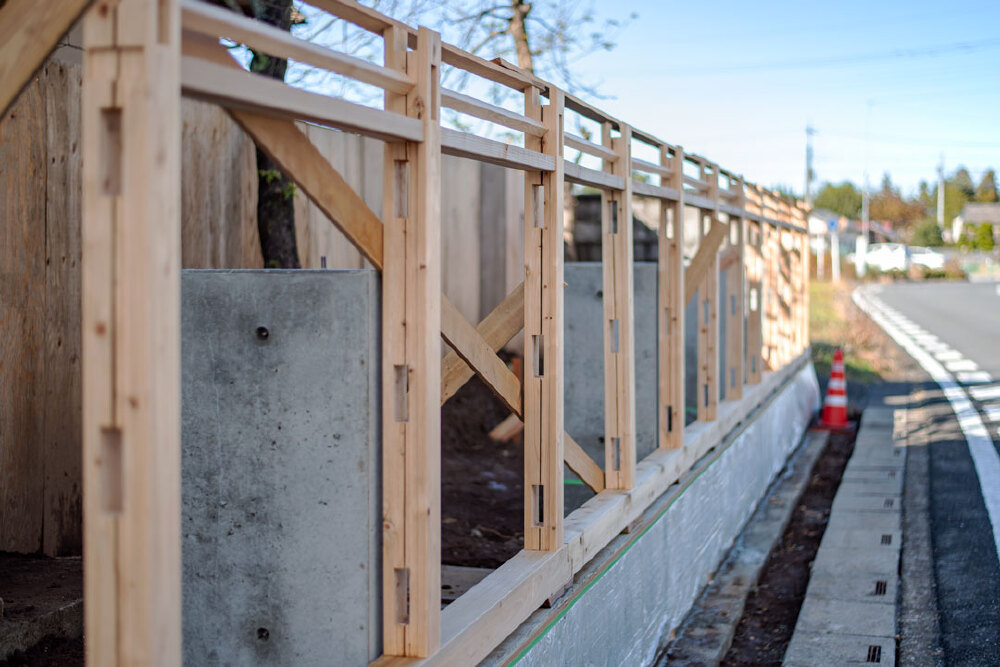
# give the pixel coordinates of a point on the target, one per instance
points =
(708, 316)
(736, 309)
(670, 318)
(543, 332)
(131, 333)
(805, 291)
(411, 359)
(755, 359)
(619, 339)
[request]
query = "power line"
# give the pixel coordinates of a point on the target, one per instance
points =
(817, 63)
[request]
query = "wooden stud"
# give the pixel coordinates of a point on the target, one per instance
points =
(131, 333)
(411, 362)
(619, 317)
(735, 305)
(671, 301)
(708, 310)
(755, 287)
(543, 332)
(29, 31)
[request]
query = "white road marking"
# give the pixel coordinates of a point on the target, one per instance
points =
(984, 454)
(948, 355)
(974, 377)
(992, 412)
(985, 393)
(962, 365)
(998, 290)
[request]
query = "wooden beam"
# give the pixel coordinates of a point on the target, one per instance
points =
(580, 462)
(240, 89)
(619, 317)
(670, 313)
(411, 361)
(490, 112)
(214, 21)
(735, 305)
(543, 332)
(473, 147)
(29, 31)
(478, 354)
(497, 328)
(704, 259)
(298, 157)
(755, 274)
(130, 325)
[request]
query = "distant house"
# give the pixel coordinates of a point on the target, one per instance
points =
(973, 215)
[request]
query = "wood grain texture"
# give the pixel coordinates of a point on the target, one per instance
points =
(23, 157)
(218, 191)
(29, 31)
(62, 402)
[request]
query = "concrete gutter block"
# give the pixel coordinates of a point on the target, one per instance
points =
(846, 563)
(858, 587)
(840, 650)
(820, 616)
(878, 416)
(887, 487)
(856, 502)
(861, 538)
(883, 521)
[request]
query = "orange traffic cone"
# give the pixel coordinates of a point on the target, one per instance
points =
(835, 407)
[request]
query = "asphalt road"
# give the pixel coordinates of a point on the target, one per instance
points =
(959, 325)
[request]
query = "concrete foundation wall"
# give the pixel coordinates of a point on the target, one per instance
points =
(281, 500)
(622, 617)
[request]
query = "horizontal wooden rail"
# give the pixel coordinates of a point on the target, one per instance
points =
(212, 21)
(474, 147)
(581, 175)
(490, 112)
(642, 165)
(238, 89)
(589, 147)
(657, 191)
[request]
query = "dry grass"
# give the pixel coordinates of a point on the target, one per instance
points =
(834, 321)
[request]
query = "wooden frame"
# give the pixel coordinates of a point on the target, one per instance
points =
(131, 333)
(137, 63)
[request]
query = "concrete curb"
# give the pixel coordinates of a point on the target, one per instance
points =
(849, 612)
(707, 633)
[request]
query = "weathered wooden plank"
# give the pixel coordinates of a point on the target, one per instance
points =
(23, 158)
(29, 31)
(218, 191)
(62, 399)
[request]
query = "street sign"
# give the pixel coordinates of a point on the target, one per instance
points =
(831, 226)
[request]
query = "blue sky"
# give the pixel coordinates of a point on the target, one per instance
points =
(738, 82)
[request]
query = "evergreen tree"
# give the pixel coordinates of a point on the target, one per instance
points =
(987, 190)
(964, 181)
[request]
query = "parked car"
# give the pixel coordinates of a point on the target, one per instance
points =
(926, 257)
(888, 256)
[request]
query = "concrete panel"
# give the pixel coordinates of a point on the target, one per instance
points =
(584, 362)
(630, 602)
(280, 474)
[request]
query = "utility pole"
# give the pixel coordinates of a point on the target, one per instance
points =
(810, 131)
(940, 194)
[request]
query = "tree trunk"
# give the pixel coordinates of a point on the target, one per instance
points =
(275, 191)
(519, 31)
